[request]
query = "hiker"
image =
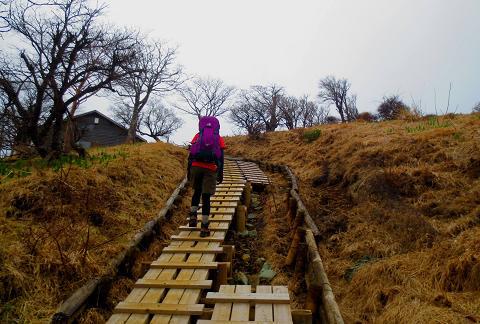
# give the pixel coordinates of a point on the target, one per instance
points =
(205, 169)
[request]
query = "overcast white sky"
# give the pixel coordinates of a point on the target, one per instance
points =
(406, 47)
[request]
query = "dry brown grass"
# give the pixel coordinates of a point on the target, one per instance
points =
(398, 207)
(59, 229)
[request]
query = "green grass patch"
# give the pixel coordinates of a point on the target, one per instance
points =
(312, 135)
(10, 168)
(432, 123)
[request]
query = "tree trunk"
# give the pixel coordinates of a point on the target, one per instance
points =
(342, 115)
(57, 131)
(132, 130)
(69, 135)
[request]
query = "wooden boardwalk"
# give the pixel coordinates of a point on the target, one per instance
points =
(171, 289)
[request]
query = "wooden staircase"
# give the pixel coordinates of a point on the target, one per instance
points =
(171, 289)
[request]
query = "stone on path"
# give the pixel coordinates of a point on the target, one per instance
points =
(267, 273)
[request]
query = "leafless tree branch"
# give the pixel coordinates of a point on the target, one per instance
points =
(205, 97)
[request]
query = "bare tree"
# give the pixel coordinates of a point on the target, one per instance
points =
(290, 111)
(205, 97)
(7, 127)
(155, 120)
(351, 110)
(157, 74)
(391, 107)
(122, 114)
(159, 121)
(476, 108)
(311, 113)
(68, 57)
(267, 100)
(244, 115)
(335, 91)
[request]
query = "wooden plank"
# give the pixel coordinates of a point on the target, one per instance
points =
(197, 239)
(232, 193)
(264, 312)
(221, 204)
(174, 296)
(222, 210)
(222, 227)
(222, 311)
(189, 296)
(258, 298)
(155, 283)
(152, 295)
(155, 308)
(235, 322)
(224, 198)
(217, 218)
(183, 265)
(241, 311)
(196, 249)
(281, 313)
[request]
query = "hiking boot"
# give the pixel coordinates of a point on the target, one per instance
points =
(204, 231)
(192, 221)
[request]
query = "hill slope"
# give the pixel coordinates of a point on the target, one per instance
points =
(60, 228)
(398, 204)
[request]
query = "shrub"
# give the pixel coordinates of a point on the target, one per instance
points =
(332, 120)
(312, 135)
(392, 108)
(366, 116)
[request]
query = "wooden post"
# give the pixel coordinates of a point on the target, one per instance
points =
(247, 195)
(221, 275)
(241, 218)
(301, 316)
(292, 208)
(144, 266)
(292, 252)
(301, 257)
(314, 296)
(299, 218)
(207, 314)
(229, 251)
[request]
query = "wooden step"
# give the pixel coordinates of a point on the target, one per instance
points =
(197, 239)
(181, 249)
(217, 217)
(257, 298)
(237, 322)
(155, 308)
(221, 204)
(212, 227)
(226, 193)
(224, 198)
(191, 284)
(183, 265)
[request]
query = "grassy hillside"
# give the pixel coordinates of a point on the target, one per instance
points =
(398, 204)
(60, 225)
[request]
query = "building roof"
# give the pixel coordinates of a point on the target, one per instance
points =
(91, 112)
